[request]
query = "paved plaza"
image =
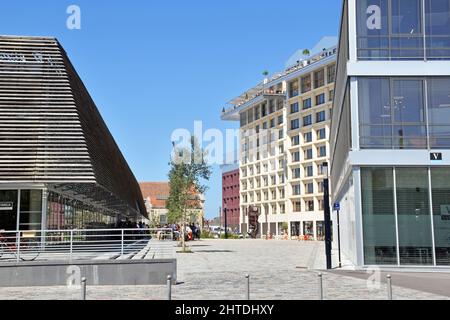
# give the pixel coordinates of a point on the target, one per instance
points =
(279, 270)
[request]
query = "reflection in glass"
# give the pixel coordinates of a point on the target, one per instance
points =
(439, 112)
(440, 178)
(380, 246)
(414, 220)
(30, 209)
(437, 17)
(406, 17)
(8, 211)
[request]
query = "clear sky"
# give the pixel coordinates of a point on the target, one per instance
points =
(156, 66)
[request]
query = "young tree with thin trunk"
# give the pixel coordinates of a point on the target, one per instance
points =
(188, 171)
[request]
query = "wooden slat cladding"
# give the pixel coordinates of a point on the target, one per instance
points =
(50, 129)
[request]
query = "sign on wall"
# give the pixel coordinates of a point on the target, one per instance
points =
(6, 206)
(436, 156)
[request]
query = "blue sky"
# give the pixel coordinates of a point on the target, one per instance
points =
(156, 66)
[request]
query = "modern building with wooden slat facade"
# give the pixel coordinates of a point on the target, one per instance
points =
(60, 167)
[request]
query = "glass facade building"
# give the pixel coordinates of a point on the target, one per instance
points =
(390, 135)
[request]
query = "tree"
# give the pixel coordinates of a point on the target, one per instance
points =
(188, 171)
(306, 52)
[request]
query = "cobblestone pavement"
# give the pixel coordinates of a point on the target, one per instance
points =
(279, 270)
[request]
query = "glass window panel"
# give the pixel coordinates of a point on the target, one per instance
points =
(377, 190)
(439, 101)
(440, 185)
(410, 137)
(414, 216)
(406, 17)
(437, 13)
(30, 209)
(408, 101)
(374, 102)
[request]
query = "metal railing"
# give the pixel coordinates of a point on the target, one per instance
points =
(82, 244)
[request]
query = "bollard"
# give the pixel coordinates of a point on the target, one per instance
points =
(169, 288)
(83, 288)
(389, 286)
(247, 289)
(320, 277)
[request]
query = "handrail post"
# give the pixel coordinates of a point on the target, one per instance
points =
(71, 244)
(18, 245)
(121, 244)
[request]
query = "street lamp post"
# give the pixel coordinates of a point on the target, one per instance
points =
(327, 214)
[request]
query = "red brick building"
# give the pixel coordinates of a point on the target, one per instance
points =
(231, 197)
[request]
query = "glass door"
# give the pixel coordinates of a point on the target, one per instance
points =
(8, 210)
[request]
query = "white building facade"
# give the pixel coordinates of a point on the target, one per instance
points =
(390, 133)
(284, 140)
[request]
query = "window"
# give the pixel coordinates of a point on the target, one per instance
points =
(263, 110)
(441, 217)
(296, 156)
(320, 169)
(243, 119)
(321, 134)
(319, 78)
(437, 28)
(295, 140)
(309, 187)
(295, 124)
(297, 206)
(250, 116)
(308, 154)
(414, 221)
(439, 112)
(280, 134)
(280, 120)
(378, 213)
(296, 190)
(257, 113)
(293, 89)
(307, 121)
(321, 188)
(320, 117)
(392, 119)
(406, 17)
(320, 99)
(272, 123)
(271, 106)
(331, 95)
(306, 83)
(331, 73)
(294, 107)
(296, 173)
(309, 171)
(309, 207)
(307, 104)
(397, 29)
(322, 151)
(308, 137)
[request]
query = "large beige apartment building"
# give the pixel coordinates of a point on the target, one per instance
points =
(284, 132)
